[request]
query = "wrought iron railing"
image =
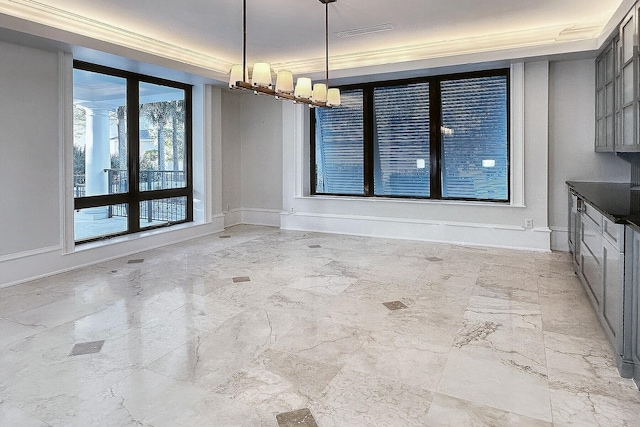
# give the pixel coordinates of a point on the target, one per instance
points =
(78, 185)
(159, 210)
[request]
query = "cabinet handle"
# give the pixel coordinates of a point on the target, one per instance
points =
(580, 206)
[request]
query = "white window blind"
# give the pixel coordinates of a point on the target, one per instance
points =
(340, 146)
(401, 140)
(475, 138)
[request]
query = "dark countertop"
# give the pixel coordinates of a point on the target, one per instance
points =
(616, 201)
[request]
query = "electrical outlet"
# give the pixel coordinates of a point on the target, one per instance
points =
(528, 223)
(228, 208)
(292, 210)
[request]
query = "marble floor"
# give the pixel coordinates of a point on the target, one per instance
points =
(262, 327)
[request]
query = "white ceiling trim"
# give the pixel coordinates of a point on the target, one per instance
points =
(550, 37)
(34, 11)
(545, 41)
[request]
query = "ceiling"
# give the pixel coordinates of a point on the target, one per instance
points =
(207, 34)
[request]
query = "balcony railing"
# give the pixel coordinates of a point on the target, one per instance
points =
(158, 210)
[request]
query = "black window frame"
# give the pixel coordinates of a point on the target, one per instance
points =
(134, 196)
(435, 139)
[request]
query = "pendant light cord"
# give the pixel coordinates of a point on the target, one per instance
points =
(244, 41)
(326, 43)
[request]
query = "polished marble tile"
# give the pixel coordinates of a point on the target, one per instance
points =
(11, 415)
(394, 305)
(82, 348)
(495, 379)
(276, 382)
(299, 418)
(450, 411)
(354, 399)
(330, 285)
(491, 337)
(11, 332)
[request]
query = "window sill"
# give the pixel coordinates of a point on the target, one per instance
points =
(110, 241)
(410, 201)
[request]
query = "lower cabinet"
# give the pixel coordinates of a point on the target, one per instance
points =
(600, 251)
(612, 290)
(632, 293)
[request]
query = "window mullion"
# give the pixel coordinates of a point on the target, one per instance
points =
(435, 149)
(133, 140)
(368, 135)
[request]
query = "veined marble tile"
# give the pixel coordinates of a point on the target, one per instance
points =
(392, 267)
(354, 399)
(20, 298)
(516, 295)
(508, 277)
(516, 312)
(11, 415)
(49, 389)
(310, 306)
(149, 399)
(329, 285)
(497, 379)
(211, 360)
(10, 332)
(450, 411)
(422, 328)
(585, 408)
(205, 312)
(185, 346)
(244, 294)
(144, 344)
(278, 382)
(323, 342)
(586, 366)
(358, 313)
(56, 313)
(399, 359)
(568, 311)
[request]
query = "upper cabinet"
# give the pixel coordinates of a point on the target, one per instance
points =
(617, 81)
(605, 99)
(628, 140)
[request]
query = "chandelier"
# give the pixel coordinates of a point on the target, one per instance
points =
(318, 95)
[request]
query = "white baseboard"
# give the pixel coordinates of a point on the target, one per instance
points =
(491, 235)
(232, 217)
(36, 264)
(267, 217)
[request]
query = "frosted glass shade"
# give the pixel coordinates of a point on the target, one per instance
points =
(333, 97)
(319, 93)
(236, 75)
(284, 82)
(261, 74)
(303, 88)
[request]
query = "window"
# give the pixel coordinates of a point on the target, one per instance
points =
(444, 137)
(131, 152)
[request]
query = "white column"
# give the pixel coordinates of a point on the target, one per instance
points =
(97, 156)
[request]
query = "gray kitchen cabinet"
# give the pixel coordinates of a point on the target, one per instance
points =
(633, 295)
(605, 98)
(574, 221)
(613, 281)
(598, 246)
(591, 254)
(627, 141)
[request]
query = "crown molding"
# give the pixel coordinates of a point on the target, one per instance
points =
(34, 11)
(547, 40)
(544, 41)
